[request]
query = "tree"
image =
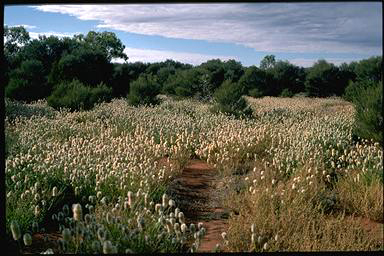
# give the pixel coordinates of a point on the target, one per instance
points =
(191, 82)
(144, 90)
(369, 117)
(26, 82)
(253, 78)
(88, 66)
(233, 70)
(268, 62)
(106, 42)
(76, 96)
(216, 71)
(15, 39)
(321, 79)
(229, 98)
(286, 76)
(345, 76)
(370, 69)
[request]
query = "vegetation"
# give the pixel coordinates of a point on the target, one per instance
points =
(302, 176)
(91, 148)
(34, 67)
(369, 116)
(76, 96)
(144, 90)
(229, 98)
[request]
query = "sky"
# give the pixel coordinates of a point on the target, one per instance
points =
(301, 33)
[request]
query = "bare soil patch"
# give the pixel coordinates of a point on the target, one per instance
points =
(195, 193)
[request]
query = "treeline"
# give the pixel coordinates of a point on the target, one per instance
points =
(79, 72)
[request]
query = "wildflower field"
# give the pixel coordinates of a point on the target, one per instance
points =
(292, 177)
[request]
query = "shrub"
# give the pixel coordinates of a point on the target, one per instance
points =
(143, 91)
(77, 96)
(286, 93)
(229, 99)
(321, 79)
(369, 119)
(86, 65)
(27, 82)
(256, 93)
(183, 92)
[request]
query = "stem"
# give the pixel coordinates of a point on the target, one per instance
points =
(20, 246)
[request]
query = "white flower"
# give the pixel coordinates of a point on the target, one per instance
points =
(108, 247)
(15, 229)
(253, 228)
(224, 235)
(27, 239)
(54, 191)
(77, 212)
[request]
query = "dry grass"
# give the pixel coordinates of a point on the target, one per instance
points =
(361, 199)
(308, 221)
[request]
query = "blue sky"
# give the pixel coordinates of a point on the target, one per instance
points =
(301, 33)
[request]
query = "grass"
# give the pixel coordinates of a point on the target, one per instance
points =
(293, 171)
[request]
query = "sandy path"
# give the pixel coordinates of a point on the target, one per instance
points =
(194, 191)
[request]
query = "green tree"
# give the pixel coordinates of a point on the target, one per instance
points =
(216, 70)
(106, 42)
(76, 96)
(286, 76)
(233, 70)
(229, 98)
(15, 39)
(369, 117)
(267, 62)
(254, 78)
(26, 82)
(370, 69)
(144, 90)
(88, 66)
(321, 79)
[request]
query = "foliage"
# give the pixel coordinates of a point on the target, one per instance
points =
(369, 69)
(15, 39)
(256, 93)
(301, 162)
(76, 96)
(106, 42)
(255, 80)
(286, 93)
(369, 117)
(144, 90)
(268, 62)
(286, 76)
(86, 65)
(26, 82)
(229, 99)
(321, 79)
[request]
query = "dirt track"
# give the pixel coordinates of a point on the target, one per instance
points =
(195, 193)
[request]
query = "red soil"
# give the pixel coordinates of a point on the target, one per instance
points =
(194, 193)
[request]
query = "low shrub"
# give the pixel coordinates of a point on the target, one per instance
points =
(230, 101)
(286, 93)
(368, 101)
(77, 96)
(143, 91)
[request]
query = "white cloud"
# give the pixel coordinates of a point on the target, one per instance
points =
(148, 55)
(35, 35)
(270, 27)
(25, 26)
